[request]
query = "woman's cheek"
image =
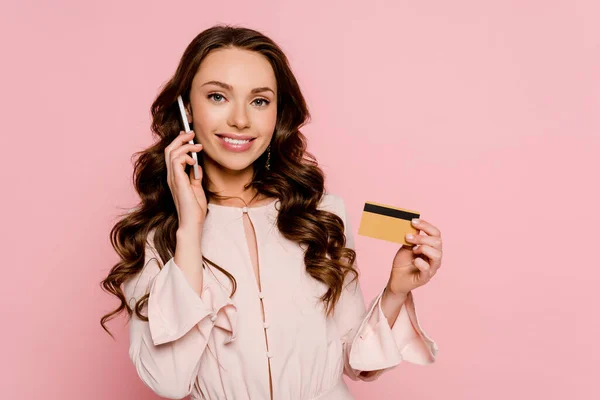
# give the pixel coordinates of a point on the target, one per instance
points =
(270, 121)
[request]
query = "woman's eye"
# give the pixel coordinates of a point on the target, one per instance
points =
(265, 102)
(216, 97)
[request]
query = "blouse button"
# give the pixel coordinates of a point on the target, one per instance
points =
(245, 210)
(261, 295)
(269, 354)
(266, 325)
(213, 317)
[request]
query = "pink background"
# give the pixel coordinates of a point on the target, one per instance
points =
(484, 116)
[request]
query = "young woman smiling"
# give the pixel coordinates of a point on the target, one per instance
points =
(243, 284)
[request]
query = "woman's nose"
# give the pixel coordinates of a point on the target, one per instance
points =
(239, 117)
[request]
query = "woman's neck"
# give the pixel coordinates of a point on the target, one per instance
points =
(230, 183)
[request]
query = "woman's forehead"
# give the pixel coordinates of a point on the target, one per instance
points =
(240, 69)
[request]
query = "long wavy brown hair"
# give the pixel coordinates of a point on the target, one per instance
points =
(294, 178)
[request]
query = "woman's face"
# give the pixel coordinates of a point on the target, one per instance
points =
(234, 93)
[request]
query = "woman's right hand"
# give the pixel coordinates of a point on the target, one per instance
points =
(187, 191)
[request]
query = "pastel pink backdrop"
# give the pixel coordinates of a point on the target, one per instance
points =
(481, 115)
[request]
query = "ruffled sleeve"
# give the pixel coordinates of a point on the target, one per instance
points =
(166, 349)
(370, 345)
(174, 307)
(377, 347)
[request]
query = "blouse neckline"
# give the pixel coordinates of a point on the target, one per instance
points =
(237, 208)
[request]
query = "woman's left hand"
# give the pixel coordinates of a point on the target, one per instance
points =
(415, 266)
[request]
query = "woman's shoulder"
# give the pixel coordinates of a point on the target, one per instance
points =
(333, 203)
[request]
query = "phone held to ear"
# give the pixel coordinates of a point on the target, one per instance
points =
(186, 126)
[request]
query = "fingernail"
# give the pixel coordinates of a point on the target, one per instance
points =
(410, 236)
(415, 221)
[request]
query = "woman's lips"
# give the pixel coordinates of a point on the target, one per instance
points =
(235, 145)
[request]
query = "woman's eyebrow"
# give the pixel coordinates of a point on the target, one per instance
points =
(228, 87)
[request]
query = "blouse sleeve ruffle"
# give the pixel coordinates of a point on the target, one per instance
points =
(166, 349)
(174, 307)
(377, 347)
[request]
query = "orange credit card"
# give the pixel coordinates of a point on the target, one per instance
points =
(389, 223)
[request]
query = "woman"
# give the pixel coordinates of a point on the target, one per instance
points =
(243, 284)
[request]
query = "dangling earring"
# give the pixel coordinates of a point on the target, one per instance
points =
(268, 165)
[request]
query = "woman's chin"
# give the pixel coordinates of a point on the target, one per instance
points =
(235, 165)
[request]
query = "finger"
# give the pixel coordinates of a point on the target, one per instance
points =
(178, 163)
(193, 176)
(422, 265)
(427, 228)
(176, 143)
(172, 146)
(434, 255)
(179, 140)
(433, 241)
(186, 148)
(183, 149)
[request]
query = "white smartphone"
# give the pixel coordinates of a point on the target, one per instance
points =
(186, 126)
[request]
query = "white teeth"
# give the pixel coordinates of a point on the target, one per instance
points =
(235, 141)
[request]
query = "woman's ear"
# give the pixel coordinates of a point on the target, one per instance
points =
(188, 113)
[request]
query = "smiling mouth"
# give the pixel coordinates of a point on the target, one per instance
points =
(235, 144)
(235, 141)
